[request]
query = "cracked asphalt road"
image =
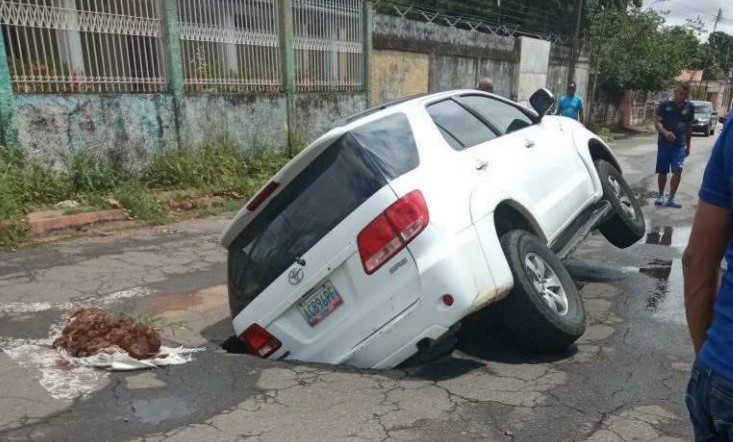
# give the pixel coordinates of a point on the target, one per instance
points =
(623, 382)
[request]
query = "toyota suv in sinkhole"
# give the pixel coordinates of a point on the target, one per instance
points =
(378, 239)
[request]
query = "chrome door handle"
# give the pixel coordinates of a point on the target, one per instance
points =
(481, 164)
(528, 143)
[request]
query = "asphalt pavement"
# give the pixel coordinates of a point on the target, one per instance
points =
(624, 381)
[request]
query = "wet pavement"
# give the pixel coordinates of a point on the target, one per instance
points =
(624, 381)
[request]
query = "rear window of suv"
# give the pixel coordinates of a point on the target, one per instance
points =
(343, 177)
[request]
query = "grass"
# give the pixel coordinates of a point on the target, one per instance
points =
(95, 182)
(605, 134)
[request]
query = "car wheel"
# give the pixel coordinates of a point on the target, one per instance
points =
(707, 131)
(626, 225)
(544, 309)
(712, 131)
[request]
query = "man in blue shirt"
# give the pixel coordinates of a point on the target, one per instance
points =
(709, 314)
(674, 124)
(571, 105)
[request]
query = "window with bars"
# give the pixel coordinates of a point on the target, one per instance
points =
(329, 45)
(230, 46)
(68, 46)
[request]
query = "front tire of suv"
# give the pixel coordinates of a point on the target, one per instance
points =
(707, 131)
(544, 309)
(626, 225)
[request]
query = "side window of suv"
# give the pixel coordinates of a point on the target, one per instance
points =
(459, 127)
(503, 116)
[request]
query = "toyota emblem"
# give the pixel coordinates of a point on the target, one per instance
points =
(295, 276)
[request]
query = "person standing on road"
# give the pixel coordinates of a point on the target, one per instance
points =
(486, 84)
(674, 124)
(709, 396)
(571, 105)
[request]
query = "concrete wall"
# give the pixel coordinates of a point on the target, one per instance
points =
(125, 128)
(248, 121)
(415, 57)
(128, 128)
(396, 74)
(449, 72)
(533, 67)
(317, 113)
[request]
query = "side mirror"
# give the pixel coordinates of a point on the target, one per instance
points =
(715, 113)
(542, 101)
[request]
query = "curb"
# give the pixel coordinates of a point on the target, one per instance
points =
(42, 226)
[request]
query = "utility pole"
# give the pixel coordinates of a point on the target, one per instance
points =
(576, 43)
(715, 28)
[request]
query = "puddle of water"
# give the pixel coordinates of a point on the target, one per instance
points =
(155, 411)
(666, 299)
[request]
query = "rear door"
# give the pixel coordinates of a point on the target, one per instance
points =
(297, 268)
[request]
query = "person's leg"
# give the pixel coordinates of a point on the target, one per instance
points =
(663, 166)
(662, 182)
(678, 161)
(697, 399)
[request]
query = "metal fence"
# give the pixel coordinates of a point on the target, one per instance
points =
(329, 45)
(67, 46)
(230, 45)
(227, 46)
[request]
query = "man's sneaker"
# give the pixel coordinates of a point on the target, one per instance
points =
(674, 203)
(660, 201)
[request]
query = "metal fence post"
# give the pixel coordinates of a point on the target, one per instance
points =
(368, 32)
(8, 130)
(287, 36)
(175, 63)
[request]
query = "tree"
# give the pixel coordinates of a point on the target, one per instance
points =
(721, 46)
(635, 51)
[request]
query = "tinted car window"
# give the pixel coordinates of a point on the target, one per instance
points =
(343, 177)
(390, 145)
(459, 124)
(503, 116)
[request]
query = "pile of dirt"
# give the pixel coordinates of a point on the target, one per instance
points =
(92, 331)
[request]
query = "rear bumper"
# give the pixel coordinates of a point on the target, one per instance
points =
(454, 267)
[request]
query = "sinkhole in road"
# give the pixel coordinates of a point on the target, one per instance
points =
(235, 345)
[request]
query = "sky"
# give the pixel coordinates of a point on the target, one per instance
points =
(681, 10)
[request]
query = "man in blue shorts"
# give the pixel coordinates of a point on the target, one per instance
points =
(674, 124)
(571, 105)
(709, 310)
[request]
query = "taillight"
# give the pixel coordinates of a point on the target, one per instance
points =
(260, 341)
(265, 193)
(392, 230)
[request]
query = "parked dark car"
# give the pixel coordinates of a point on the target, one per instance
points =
(705, 118)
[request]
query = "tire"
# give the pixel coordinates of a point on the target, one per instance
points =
(525, 312)
(707, 131)
(626, 225)
(712, 131)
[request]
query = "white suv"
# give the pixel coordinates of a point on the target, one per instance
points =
(384, 234)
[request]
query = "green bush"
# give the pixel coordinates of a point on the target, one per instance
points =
(13, 208)
(140, 203)
(89, 172)
(90, 179)
(215, 164)
(605, 134)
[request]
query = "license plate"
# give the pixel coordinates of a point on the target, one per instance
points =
(319, 303)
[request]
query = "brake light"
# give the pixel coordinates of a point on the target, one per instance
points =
(392, 230)
(260, 198)
(260, 341)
